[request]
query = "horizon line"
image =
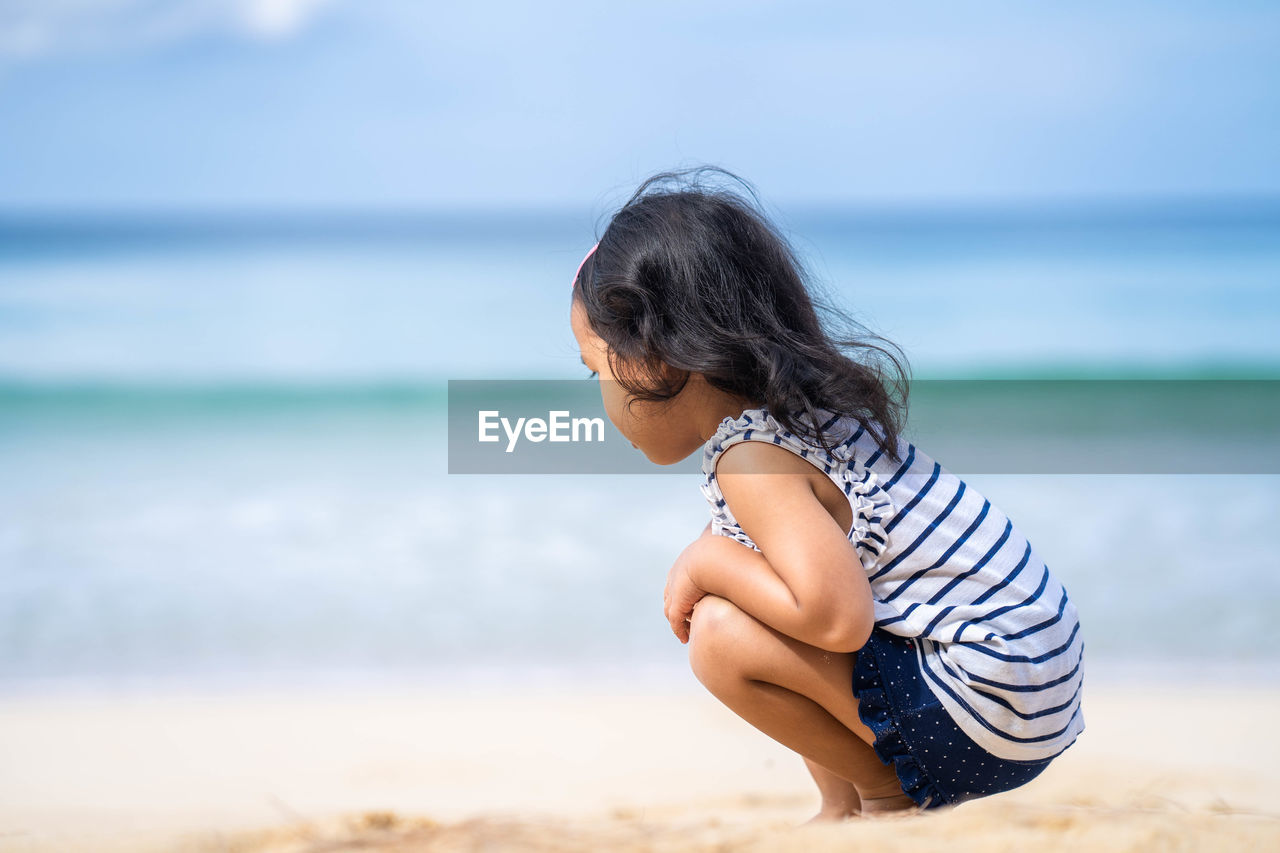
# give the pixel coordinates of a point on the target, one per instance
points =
(1117, 203)
(1208, 370)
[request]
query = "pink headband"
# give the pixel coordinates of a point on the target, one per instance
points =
(590, 251)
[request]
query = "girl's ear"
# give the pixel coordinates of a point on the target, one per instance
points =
(670, 373)
(672, 379)
(653, 375)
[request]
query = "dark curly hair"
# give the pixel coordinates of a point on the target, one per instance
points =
(690, 278)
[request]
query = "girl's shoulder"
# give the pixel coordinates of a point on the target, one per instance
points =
(762, 457)
(871, 505)
(760, 425)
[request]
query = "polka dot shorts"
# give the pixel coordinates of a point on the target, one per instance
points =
(936, 762)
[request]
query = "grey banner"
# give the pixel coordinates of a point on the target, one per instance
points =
(988, 426)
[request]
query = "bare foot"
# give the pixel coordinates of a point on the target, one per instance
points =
(881, 806)
(840, 799)
(832, 815)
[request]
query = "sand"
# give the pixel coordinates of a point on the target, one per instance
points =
(1159, 767)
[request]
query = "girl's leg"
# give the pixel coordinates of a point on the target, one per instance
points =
(840, 798)
(798, 694)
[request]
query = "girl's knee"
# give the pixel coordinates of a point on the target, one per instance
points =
(717, 630)
(712, 614)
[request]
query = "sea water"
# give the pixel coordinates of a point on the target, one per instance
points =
(222, 451)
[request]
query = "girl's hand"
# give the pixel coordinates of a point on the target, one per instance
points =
(681, 593)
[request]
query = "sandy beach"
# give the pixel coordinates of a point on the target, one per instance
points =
(1158, 767)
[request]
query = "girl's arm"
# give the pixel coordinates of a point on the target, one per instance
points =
(806, 581)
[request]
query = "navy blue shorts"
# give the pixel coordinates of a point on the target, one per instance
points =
(936, 762)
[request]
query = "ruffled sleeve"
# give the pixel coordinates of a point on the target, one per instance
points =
(872, 510)
(870, 502)
(730, 432)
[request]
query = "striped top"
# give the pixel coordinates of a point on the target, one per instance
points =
(998, 641)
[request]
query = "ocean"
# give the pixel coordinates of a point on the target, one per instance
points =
(223, 456)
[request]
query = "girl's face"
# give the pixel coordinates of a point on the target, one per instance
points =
(664, 432)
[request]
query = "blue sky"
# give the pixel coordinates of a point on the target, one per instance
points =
(392, 103)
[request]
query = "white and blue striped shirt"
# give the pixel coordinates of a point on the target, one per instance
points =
(999, 642)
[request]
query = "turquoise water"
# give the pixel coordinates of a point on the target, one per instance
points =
(967, 293)
(221, 449)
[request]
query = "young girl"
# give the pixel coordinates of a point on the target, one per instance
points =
(850, 597)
